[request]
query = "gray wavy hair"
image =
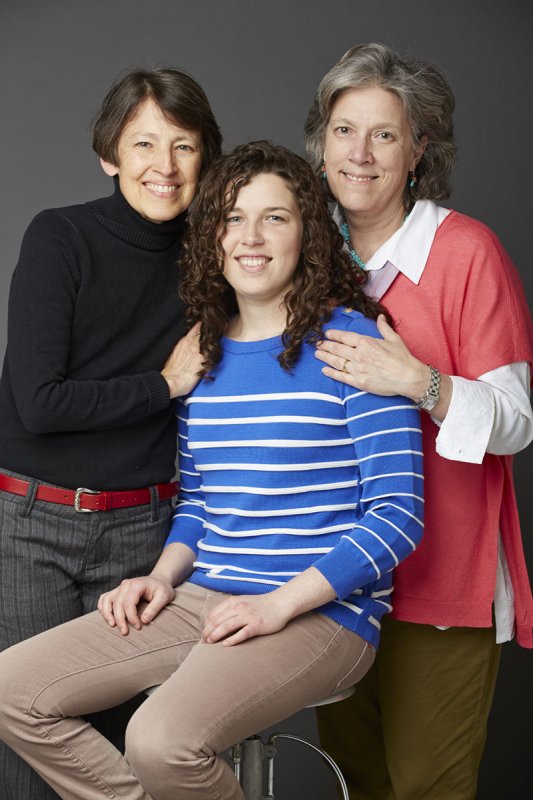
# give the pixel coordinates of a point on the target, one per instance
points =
(427, 100)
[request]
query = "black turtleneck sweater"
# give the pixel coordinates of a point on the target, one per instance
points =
(93, 315)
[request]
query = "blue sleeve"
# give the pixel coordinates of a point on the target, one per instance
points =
(387, 437)
(189, 516)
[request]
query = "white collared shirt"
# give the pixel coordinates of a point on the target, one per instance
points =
(489, 415)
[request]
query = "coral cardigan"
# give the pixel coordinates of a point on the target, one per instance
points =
(467, 316)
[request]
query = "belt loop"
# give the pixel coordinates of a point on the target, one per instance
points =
(29, 498)
(154, 504)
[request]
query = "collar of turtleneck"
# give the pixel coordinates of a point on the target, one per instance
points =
(116, 214)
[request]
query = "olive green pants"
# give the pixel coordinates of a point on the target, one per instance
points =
(416, 726)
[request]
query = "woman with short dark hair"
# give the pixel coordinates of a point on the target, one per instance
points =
(380, 132)
(87, 418)
(178, 96)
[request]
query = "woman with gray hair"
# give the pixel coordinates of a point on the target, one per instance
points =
(380, 133)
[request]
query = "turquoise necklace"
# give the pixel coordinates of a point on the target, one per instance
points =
(347, 238)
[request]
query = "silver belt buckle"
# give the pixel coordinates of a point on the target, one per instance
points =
(77, 500)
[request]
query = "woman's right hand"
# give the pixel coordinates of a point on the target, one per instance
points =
(120, 606)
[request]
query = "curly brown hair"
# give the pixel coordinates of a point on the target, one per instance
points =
(325, 275)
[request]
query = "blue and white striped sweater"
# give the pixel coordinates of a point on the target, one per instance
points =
(280, 471)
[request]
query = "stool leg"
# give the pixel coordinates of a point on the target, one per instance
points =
(248, 766)
(270, 752)
(236, 757)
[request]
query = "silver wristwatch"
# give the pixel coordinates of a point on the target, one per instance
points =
(432, 393)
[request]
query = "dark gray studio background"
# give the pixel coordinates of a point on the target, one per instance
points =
(259, 63)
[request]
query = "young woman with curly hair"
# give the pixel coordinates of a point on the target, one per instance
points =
(324, 275)
(298, 498)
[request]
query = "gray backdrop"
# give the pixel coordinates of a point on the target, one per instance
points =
(260, 63)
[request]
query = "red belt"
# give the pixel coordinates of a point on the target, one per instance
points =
(86, 500)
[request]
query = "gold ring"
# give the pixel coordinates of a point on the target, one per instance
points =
(346, 361)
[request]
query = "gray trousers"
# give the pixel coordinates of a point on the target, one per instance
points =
(212, 696)
(54, 564)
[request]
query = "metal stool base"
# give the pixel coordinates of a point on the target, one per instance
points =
(250, 755)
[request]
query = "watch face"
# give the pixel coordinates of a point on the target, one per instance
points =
(431, 398)
(427, 403)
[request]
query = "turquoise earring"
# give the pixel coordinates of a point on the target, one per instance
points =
(413, 180)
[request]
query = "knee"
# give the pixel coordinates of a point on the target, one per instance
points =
(163, 760)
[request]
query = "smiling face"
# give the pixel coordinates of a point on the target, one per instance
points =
(369, 153)
(158, 164)
(262, 241)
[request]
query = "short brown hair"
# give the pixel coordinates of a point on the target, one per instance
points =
(181, 99)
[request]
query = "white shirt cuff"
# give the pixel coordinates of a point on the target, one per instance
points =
(492, 414)
(465, 432)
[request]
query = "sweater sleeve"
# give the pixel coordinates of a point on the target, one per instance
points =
(42, 308)
(490, 411)
(495, 324)
(387, 438)
(189, 516)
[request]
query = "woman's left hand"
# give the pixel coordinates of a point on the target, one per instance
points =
(241, 617)
(382, 366)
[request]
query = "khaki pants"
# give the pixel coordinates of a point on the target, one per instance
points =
(212, 696)
(416, 726)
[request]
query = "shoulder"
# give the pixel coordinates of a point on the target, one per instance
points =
(482, 287)
(59, 222)
(347, 319)
(470, 235)
(61, 225)
(52, 242)
(468, 256)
